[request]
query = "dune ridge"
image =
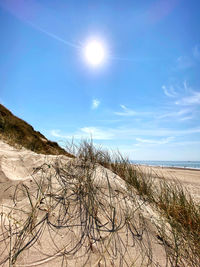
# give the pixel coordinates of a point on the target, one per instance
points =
(94, 228)
(92, 208)
(17, 132)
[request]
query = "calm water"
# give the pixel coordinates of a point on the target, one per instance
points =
(180, 164)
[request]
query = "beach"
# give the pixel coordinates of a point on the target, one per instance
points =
(189, 178)
(16, 165)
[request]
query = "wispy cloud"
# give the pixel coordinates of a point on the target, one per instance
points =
(175, 114)
(186, 97)
(186, 62)
(169, 91)
(155, 142)
(186, 87)
(126, 111)
(56, 133)
(123, 133)
(193, 99)
(96, 133)
(85, 132)
(186, 118)
(95, 103)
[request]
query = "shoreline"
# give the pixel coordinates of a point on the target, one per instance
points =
(167, 167)
(188, 177)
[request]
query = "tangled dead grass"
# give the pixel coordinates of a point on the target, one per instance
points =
(79, 213)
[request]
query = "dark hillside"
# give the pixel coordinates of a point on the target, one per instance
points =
(17, 132)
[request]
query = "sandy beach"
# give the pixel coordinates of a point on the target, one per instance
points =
(190, 178)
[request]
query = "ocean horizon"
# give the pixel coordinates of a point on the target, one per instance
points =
(175, 164)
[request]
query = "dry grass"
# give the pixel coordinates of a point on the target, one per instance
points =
(17, 132)
(98, 225)
(169, 197)
(106, 225)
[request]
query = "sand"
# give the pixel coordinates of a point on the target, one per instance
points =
(47, 201)
(189, 178)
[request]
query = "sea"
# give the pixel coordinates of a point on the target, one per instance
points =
(175, 164)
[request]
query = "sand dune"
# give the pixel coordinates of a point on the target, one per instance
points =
(19, 164)
(59, 211)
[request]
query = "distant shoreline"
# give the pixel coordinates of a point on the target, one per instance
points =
(175, 164)
(188, 177)
(167, 167)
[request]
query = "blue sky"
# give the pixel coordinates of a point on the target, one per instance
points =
(144, 99)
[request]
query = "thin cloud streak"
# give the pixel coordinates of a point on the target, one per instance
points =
(161, 115)
(53, 36)
(9, 6)
(122, 133)
(170, 92)
(85, 132)
(186, 118)
(130, 112)
(193, 99)
(175, 114)
(155, 142)
(189, 97)
(126, 112)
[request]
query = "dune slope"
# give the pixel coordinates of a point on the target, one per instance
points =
(17, 132)
(65, 212)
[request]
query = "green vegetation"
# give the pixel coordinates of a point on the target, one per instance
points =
(17, 132)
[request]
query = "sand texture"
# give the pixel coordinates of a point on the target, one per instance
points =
(59, 211)
(190, 178)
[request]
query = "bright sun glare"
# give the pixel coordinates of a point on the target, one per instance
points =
(94, 52)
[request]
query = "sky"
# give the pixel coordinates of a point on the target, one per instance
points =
(143, 99)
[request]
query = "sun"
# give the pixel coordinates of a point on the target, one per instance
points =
(94, 52)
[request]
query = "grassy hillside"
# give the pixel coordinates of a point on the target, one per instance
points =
(17, 132)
